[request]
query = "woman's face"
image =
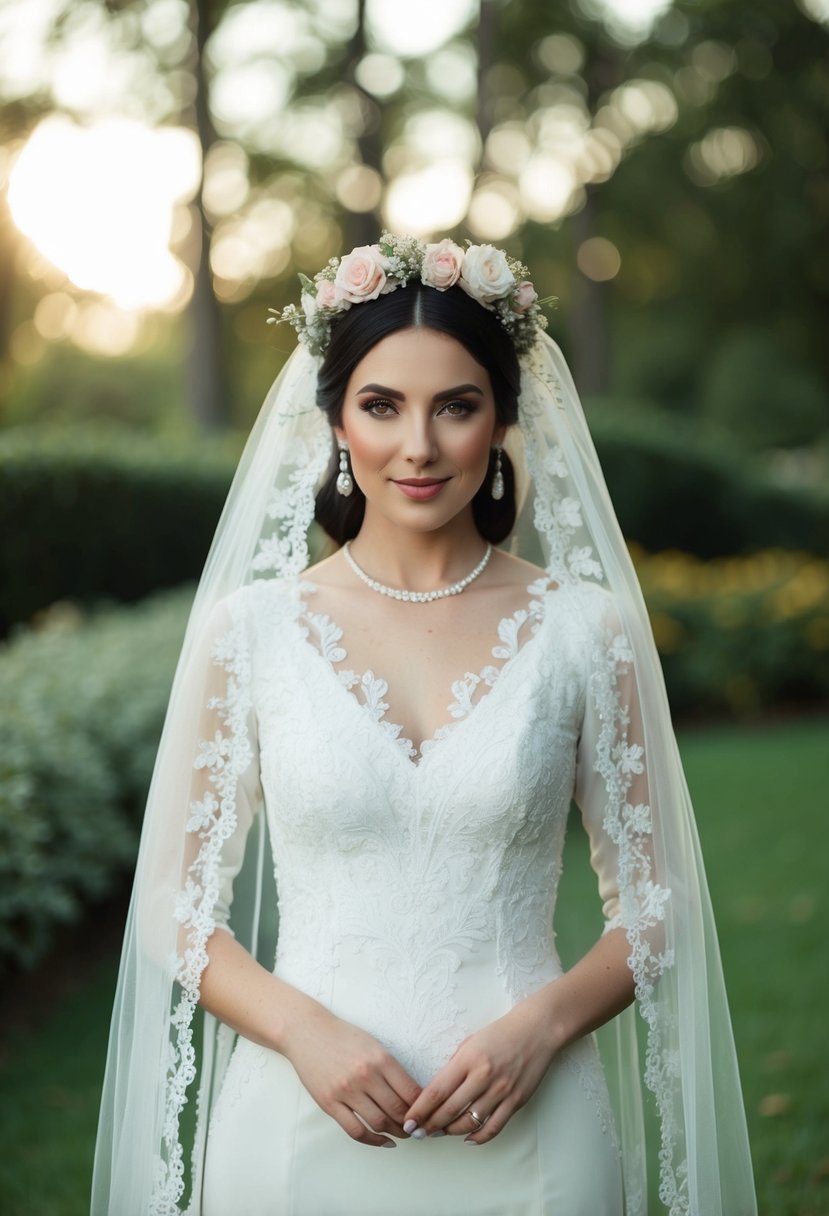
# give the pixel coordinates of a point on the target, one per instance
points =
(419, 420)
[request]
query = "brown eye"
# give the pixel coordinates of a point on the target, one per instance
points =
(458, 409)
(379, 408)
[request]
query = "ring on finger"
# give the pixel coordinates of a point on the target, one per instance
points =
(479, 1121)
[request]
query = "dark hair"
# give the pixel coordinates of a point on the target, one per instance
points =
(450, 312)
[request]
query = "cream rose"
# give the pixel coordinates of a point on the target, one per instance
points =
(442, 265)
(486, 276)
(524, 298)
(360, 276)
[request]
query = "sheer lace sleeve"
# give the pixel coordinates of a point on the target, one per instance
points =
(226, 791)
(612, 788)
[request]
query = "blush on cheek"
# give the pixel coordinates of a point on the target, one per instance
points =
(471, 450)
(371, 451)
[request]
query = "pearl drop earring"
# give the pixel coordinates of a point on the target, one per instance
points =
(498, 477)
(345, 483)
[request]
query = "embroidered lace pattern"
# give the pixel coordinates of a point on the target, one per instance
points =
(485, 823)
(369, 689)
(223, 758)
(291, 508)
(642, 902)
(557, 508)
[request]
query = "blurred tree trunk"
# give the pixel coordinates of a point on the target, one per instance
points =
(587, 321)
(363, 227)
(207, 389)
(486, 55)
(588, 324)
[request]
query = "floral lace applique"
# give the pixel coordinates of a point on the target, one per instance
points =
(642, 902)
(213, 820)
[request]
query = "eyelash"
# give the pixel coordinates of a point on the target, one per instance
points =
(369, 407)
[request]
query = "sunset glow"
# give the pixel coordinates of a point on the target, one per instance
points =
(98, 202)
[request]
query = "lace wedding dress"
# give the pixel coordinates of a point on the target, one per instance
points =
(417, 888)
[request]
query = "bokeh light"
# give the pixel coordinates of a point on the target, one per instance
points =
(98, 203)
(598, 259)
(429, 200)
(417, 29)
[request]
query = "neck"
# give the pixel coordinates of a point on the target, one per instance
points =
(418, 561)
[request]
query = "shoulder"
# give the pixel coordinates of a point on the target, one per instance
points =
(506, 569)
(588, 610)
(245, 608)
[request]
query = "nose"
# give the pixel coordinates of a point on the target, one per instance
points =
(420, 448)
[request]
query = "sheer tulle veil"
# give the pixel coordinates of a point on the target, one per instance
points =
(166, 1057)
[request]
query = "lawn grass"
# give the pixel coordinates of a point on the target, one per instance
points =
(760, 795)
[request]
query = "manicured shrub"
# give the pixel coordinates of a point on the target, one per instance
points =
(81, 707)
(678, 489)
(115, 516)
(739, 635)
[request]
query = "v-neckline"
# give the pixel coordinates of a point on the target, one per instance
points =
(508, 648)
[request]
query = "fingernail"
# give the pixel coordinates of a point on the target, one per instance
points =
(437, 1133)
(419, 1133)
(388, 1144)
(475, 1142)
(409, 1126)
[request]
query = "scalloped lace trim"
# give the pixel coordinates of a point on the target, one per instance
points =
(642, 904)
(213, 820)
(369, 690)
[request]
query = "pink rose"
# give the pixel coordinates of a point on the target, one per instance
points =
(328, 295)
(360, 276)
(524, 298)
(442, 265)
(486, 275)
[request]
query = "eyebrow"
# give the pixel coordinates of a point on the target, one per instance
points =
(441, 396)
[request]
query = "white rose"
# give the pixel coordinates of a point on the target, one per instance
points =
(360, 276)
(486, 275)
(442, 265)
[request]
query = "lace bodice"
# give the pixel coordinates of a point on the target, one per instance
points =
(410, 864)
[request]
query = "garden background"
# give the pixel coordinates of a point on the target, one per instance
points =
(167, 167)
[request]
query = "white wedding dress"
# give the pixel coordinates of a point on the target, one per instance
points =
(416, 899)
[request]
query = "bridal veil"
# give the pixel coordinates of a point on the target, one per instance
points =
(204, 857)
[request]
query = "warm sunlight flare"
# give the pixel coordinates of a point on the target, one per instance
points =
(98, 202)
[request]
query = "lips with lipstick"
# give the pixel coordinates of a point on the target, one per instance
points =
(421, 487)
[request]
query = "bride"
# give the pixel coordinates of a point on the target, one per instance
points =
(394, 736)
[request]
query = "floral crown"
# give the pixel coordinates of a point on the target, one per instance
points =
(498, 282)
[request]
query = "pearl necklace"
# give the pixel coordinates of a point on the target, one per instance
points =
(417, 597)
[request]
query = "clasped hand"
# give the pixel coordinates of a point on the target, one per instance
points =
(494, 1072)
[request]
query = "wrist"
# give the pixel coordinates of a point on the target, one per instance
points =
(294, 1013)
(545, 1010)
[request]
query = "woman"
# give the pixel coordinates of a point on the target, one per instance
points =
(417, 1001)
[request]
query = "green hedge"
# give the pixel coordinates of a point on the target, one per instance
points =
(81, 707)
(677, 487)
(85, 516)
(115, 516)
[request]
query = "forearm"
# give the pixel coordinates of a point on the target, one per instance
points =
(599, 986)
(243, 994)
(345, 1070)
